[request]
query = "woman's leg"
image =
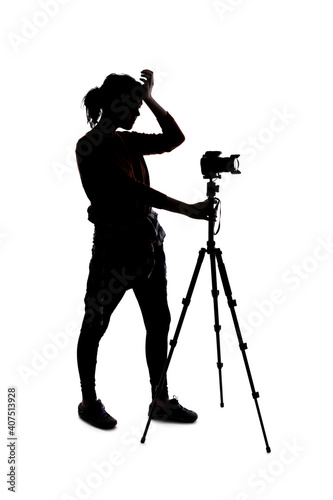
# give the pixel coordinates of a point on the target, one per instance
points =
(151, 294)
(105, 289)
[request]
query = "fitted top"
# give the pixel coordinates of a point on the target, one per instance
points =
(114, 174)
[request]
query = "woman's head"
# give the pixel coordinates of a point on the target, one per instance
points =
(117, 99)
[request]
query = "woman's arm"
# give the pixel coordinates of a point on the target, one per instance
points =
(196, 211)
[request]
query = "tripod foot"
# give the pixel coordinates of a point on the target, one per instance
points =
(268, 449)
(143, 440)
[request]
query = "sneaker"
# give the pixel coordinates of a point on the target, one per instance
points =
(172, 411)
(97, 415)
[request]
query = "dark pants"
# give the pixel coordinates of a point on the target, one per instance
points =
(107, 283)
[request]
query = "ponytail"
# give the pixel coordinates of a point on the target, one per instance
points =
(93, 104)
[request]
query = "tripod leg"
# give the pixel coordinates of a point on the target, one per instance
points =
(173, 342)
(217, 326)
(243, 346)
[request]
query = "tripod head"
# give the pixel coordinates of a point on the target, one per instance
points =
(214, 203)
(212, 188)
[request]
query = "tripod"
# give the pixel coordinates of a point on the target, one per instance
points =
(215, 256)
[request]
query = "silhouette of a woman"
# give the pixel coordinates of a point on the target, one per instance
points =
(128, 239)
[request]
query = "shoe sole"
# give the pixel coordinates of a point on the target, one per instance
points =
(161, 419)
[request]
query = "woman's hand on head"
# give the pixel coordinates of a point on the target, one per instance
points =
(147, 77)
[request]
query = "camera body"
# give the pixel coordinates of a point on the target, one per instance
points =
(212, 164)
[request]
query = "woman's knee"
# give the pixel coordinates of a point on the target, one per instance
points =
(160, 321)
(91, 334)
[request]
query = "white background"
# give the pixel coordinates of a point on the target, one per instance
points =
(225, 70)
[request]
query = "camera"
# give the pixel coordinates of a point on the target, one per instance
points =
(212, 164)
